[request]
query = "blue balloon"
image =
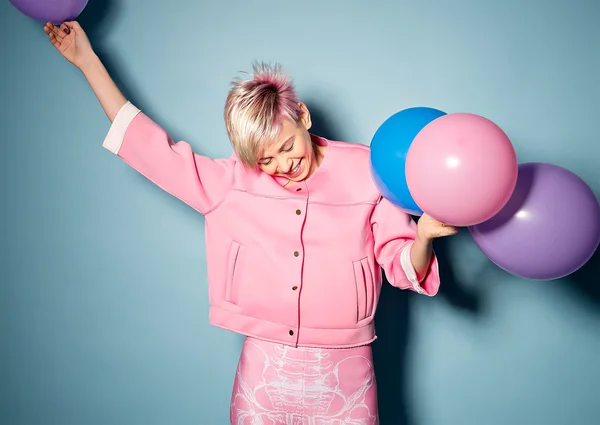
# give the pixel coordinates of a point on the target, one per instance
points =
(389, 148)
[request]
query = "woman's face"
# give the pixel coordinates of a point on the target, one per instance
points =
(292, 155)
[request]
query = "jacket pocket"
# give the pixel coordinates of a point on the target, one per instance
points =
(363, 278)
(230, 286)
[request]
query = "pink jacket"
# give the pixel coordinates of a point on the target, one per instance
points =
(299, 266)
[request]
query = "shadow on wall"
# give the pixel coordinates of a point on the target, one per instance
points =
(392, 319)
(393, 325)
(586, 280)
(96, 20)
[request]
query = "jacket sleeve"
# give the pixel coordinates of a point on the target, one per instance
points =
(394, 232)
(200, 182)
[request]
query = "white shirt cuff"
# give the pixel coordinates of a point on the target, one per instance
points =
(116, 133)
(409, 270)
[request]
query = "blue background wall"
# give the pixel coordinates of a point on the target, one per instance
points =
(103, 304)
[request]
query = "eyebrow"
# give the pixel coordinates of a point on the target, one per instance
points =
(288, 140)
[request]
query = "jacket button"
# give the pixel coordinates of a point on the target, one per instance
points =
(291, 332)
(296, 253)
(298, 212)
(294, 288)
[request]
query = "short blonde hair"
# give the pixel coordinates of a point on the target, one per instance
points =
(256, 108)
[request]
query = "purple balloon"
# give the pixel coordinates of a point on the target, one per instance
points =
(55, 11)
(549, 228)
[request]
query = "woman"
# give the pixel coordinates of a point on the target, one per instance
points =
(296, 237)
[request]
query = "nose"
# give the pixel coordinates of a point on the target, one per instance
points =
(285, 165)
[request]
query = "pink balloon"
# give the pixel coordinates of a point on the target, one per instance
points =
(461, 169)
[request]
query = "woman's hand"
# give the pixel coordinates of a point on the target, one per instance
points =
(429, 228)
(71, 41)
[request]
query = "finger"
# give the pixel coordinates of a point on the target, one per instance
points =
(49, 27)
(56, 32)
(56, 42)
(449, 231)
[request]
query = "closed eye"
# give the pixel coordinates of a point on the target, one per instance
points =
(290, 142)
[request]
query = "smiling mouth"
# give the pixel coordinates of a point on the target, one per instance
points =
(296, 170)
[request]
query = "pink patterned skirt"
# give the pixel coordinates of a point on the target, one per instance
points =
(281, 385)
